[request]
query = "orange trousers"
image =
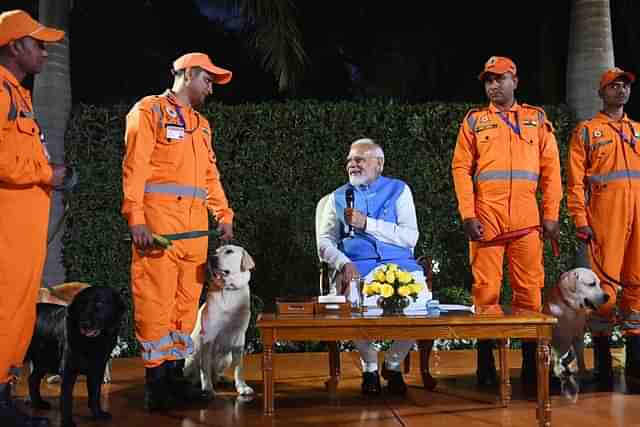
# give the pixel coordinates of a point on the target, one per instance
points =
(23, 244)
(166, 288)
(614, 217)
(526, 271)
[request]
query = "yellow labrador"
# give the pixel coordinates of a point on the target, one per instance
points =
(570, 301)
(219, 334)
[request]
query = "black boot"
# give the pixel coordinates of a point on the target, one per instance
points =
(395, 381)
(632, 363)
(371, 383)
(180, 387)
(602, 367)
(528, 374)
(11, 416)
(156, 389)
(486, 373)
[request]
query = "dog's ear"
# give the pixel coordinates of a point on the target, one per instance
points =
(246, 263)
(572, 281)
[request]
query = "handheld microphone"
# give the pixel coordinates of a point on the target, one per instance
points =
(348, 196)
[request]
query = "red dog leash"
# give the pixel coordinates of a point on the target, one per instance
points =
(516, 234)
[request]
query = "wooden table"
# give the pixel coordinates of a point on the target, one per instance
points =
(487, 323)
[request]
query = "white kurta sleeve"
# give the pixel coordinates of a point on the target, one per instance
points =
(329, 236)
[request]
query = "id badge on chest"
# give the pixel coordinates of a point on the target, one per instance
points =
(175, 132)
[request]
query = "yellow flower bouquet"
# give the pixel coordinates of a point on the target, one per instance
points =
(394, 286)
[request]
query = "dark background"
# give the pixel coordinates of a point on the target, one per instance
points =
(122, 50)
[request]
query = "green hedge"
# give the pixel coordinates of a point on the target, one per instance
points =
(277, 160)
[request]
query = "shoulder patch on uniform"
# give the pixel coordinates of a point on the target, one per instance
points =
(170, 111)
(471, 117)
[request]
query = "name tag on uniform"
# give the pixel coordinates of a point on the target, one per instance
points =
(480, 128)
(175, 132)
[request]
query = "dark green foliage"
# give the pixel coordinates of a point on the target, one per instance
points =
(277, 160)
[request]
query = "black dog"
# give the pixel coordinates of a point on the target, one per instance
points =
(73, 340)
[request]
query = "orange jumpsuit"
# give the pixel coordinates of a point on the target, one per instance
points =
(604, 193)
(170, 179)
(497, 166)
(25, 177)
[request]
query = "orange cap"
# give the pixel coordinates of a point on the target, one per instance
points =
(613, 73)
(16, 24)
(498, 65)
(220, 75)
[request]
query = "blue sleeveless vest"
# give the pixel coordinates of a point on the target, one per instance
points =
(376, 200)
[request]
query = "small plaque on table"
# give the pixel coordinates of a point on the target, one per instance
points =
(295, 305)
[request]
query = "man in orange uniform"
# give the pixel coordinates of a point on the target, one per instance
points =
(504, 152)
(26, 180)
(170, 179)
(603, 198)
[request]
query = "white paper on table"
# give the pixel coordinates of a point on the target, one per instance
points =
(331, 299)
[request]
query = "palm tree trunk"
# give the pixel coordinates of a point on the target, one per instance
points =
(590, 54)
(52, 104)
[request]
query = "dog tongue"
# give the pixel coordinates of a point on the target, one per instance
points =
(91, 333)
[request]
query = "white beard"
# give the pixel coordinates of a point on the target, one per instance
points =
(357, 180)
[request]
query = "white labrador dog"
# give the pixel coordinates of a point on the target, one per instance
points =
(219, 334)
(570, 301)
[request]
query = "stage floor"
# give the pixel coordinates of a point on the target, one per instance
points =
(301, 399)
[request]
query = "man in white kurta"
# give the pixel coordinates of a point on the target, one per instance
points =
(380, 228)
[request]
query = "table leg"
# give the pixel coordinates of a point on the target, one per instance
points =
(544, 401)
(267, 378)
(505, 380)
(425, 347)
(334, 368)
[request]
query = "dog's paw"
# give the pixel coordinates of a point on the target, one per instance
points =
(40, 404)
(101, 415)
(243, 389)
(570, 389)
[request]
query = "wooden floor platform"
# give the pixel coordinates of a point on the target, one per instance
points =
(302, 401)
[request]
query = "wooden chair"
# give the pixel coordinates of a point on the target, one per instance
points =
(424, 346)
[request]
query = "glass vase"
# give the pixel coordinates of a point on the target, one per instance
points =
(394, 305)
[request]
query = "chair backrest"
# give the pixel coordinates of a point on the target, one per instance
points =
(320, 207)
(426, 263)
(324, 268)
